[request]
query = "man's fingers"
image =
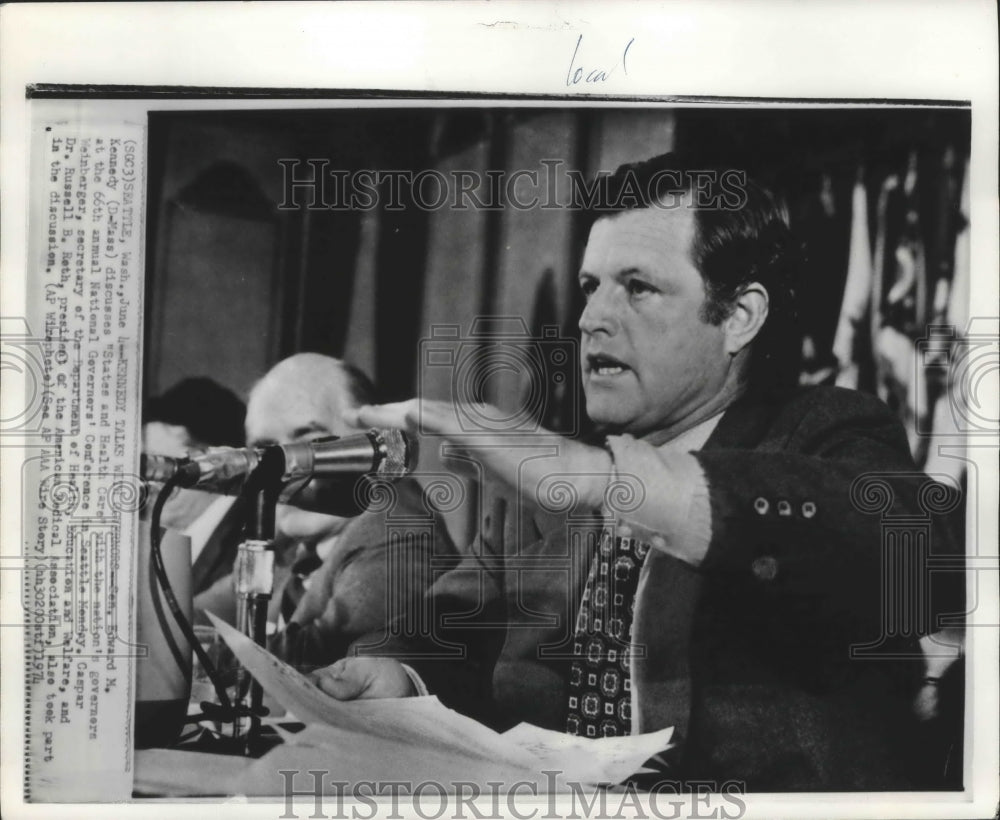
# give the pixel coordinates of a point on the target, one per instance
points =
(402, 415)
(365, 677)
(413, 416)
(433, 417)
(342, 680)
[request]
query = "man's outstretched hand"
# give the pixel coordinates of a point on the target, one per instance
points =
(526, 462)
(356, 678)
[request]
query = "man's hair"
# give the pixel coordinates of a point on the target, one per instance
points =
(741, 236)
(212, 414)
(320, 376)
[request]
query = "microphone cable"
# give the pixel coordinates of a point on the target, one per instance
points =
(160, 569)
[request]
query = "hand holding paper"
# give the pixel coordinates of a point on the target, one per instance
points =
(364, 677)
(422, 730)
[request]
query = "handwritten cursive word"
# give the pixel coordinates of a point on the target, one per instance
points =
(575, 74)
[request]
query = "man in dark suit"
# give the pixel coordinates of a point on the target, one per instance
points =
(740, 583)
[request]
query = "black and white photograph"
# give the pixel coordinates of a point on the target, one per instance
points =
(435, 448)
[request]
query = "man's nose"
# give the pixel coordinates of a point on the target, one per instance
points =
(599, 313)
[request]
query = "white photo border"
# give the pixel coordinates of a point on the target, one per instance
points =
(769, 54)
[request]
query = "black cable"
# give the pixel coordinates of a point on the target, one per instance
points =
(168, 593)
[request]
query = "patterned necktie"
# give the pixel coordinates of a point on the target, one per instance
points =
(600, 688)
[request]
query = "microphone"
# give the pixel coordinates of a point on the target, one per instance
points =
(205, 470)
(383, 453)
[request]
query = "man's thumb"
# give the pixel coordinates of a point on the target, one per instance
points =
(344, 680)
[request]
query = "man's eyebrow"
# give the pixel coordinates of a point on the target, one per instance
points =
(631, 271)
(621, 276)
(634, 270)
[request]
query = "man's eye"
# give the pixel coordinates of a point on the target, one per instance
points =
(588, 286)
(637, 287)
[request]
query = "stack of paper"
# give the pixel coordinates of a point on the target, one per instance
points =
(418, 739)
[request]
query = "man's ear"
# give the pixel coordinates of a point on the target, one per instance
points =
(747, 318)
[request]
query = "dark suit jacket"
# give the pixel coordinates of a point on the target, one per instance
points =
(749, 655)
(381, 566)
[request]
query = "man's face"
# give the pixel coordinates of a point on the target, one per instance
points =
(649, 362)
(281, 412)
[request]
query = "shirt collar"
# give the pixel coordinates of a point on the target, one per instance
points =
(690, 440)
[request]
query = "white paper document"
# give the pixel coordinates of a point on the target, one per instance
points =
(371, 733)
(591, 760)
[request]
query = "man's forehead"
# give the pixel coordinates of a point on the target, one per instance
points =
(278, 410)
(639, 237)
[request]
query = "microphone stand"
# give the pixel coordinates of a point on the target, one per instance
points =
(254, 574)
(386, 453)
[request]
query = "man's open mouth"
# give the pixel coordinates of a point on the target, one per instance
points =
(601, 364)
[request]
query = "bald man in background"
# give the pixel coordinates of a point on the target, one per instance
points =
(332, 572)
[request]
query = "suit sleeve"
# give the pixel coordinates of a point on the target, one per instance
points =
(375, 575)
(456, 658)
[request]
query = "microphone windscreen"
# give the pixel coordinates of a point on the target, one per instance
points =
(399, 453)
